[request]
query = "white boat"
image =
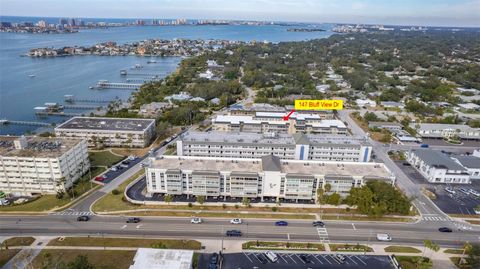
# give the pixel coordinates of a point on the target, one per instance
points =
(151, 61)
(91, 87)
(32, 75)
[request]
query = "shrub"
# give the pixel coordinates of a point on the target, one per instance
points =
(115, 192)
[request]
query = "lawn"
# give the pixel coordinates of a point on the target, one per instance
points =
(224, 215)
(50, 202)
(283, 246)
(18, 241)
(126, 242)
(453, 251)
(402, 249)
(350, 248)
(104, 259)
(103, 158)
(456, 262)
(411, 262)
(6, 255)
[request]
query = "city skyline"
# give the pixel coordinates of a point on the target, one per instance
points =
(430, 13)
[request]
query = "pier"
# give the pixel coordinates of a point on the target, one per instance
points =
(104, 84)
(17, 122)
(63, 114)
(147, 74)
(81, 107)
(71, 99)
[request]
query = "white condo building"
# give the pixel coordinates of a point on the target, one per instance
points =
(298, 146)
(268, 122)
(109, 132)
(36, 165)
(268, 177)
(438, 130)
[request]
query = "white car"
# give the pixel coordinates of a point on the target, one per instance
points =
(114, 169)
(196, 221)
(236, 221)
(383, 237)
(450, 190)
(474, 192)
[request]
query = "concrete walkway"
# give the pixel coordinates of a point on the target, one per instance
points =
(27, 254)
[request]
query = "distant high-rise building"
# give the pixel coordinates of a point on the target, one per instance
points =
(28, 24)
(71, 22)
(62, 21)
(80, 23)
(42, 24)
(140, 22)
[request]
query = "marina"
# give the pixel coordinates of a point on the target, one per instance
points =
(30, 123)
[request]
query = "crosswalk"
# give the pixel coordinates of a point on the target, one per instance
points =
(434, 218)
(323, 234)
(72, 213)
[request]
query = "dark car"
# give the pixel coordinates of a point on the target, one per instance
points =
(281, 223)
(305, 258)
(234, 233)
(133, 220)
(83, 218)
(126, 162)
(214, 258)
(318, 224)
(406, 164)
(445, 230)
(262, 259)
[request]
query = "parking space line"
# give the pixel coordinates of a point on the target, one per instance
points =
(358, 258)
(247, 257)
(350, 258)
(255, 255)
(324, 257)
(281, 256)
(310, 259)
(315, 256)
(300, 259)
(292, 259)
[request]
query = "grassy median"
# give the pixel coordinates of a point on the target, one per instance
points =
(105, 259)
(125, 242)
(283, 246)
(350, 248)
(402, 249)
(413, 262)
(104, 158)
(18, 241)
(6, 255)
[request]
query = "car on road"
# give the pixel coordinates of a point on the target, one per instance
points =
(424, 145)
(305, 258)
(383, 237)
(212, 266)
(445, 230)
(271, 256)
(318, 224)
(100, 178)
(126, 162)
(281, 223)
(133, 220)
(132, 157)
(83, 218)
(114, 169)
(196, 221)
(214, 258)
(120, 167)
(234, 233)
(236, 221)
(406, 164)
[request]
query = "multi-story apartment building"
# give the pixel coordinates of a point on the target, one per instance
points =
(267, 122)
(109, 132)
(298, 146)
(268, 177)
(437, 167)
(471, 163)
(438, 130)
(35, 165)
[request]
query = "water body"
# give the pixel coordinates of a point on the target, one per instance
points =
(56, 77)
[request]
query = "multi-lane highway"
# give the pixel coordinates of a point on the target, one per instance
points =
(297, 230)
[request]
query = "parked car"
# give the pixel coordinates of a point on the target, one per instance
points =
(406, 164)
(318, 224)
(281, 223)
(133, 220)
(305, 258)
(236, 221)
(196, 221)
(450, 190)
(124, 165)
(340, 258)
(214, 258)
(445, 230)
(4, 202)
(114, 169)
(212, 266)
(465, 191)
(83, 218)
(474, 192)
(234, 233)
(272, 256)
(126, 162)
(120, 167)
(99, 178)
(383, 237)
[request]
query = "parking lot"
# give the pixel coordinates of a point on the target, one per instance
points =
(457, 203)
(252, 260)
(111, 175)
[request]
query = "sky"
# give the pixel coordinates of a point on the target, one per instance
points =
(400, 12)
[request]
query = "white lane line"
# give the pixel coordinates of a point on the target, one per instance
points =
(299, 258)
(315, 256)
(247, 257)
(350, 258)
(281, 256)
(138, 226)
(123, 227)
(288, 236)
(353, 225)
(257, 258)
(324, 257)
(292, 259)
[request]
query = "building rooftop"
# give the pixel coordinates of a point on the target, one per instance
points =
(276, 118)
(39, 147)
(162, 259)
(107, 124)
(469, 161)
(214, 137)
(437, 159)
(441, 126)
(372, 170)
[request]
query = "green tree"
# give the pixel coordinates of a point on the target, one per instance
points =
(246, 201)
(201, 199)
(334, 199)
(168, 198)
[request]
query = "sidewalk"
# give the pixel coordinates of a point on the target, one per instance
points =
(27, 254)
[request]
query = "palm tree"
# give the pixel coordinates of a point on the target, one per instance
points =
(430, 245)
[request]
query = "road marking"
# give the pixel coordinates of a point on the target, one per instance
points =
(300, 259)
(283, 259)
(123, 227)
(350, 258)
(292, 259)
(353, 225)
(138, 226)
(324, 257)
(288, 236)
(257, 258)
(315, 256)
(247, 257)
(358, 258)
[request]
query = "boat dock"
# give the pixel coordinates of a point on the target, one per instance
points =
(81, 107)
(63, 114)
(104, 84)
(17, 122)
(71, 99)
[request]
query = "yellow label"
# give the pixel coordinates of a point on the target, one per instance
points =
(318, 104)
